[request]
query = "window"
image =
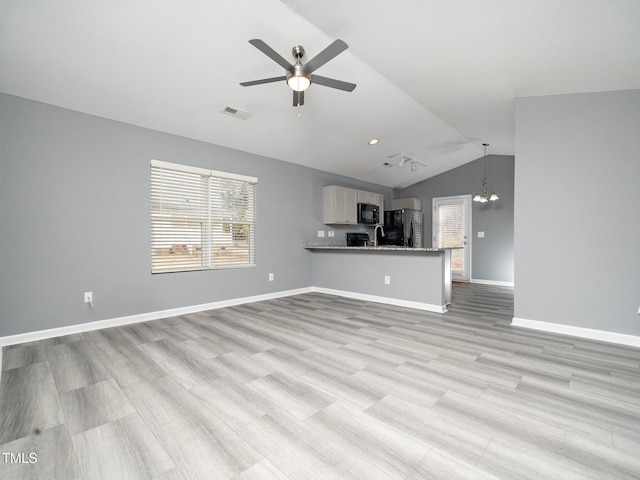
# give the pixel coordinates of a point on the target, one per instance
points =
(201, 219)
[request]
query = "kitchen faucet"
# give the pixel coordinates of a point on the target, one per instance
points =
(375, 234)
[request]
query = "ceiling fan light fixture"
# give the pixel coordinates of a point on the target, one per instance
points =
(299, 82)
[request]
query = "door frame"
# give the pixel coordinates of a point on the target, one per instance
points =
(466, 201)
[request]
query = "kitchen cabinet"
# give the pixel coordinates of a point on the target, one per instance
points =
(340, 204)
(367, 197)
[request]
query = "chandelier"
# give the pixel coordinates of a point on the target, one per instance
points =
(484, 196)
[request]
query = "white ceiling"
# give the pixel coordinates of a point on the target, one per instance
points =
(436, 78)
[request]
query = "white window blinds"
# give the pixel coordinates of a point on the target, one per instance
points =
(451, 225)
(201, 219)
(451, 231)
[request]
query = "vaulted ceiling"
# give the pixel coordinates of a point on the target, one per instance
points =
(435, 78)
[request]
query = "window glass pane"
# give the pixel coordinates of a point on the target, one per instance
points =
(178, 213)
(232, 222)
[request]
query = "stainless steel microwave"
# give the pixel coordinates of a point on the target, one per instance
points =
(368, 213)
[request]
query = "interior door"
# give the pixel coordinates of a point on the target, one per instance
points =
(451, 228)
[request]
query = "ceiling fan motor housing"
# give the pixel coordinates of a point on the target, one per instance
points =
(298, 70)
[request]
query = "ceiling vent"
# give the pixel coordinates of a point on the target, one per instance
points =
(236, 112)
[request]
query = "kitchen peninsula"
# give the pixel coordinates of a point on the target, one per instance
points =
(411, 277)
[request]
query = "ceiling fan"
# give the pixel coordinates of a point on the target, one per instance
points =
(404, 159)
(298, 76)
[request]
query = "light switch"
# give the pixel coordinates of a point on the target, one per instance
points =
(480, 234)
(320, 233)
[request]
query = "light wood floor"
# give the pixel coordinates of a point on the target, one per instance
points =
(316, 386)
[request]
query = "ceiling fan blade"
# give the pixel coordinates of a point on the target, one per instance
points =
(333, 83)
(298, 99)
(271, 53)
(336, 48)
(264, 80)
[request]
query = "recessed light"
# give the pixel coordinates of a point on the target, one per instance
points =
(373, 141)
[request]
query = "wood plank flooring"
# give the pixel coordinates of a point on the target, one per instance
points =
(321, 387)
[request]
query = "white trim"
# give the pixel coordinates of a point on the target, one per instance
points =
(179, 168)
(142, 317)
(429, 307)
(201, 171)
(601, 335)
(145, 317)
(233, 176)
(497, 283)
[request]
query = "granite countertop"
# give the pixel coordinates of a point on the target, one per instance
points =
(383, 248)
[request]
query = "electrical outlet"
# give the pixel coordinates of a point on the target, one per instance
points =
(387, 280)
(320, 233)
(88, 297)
(331, 233)
(271, 277)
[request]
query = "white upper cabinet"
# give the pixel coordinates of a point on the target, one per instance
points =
(367, 197)
(340, 204)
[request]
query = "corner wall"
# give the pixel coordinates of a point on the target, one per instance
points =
(577, 220)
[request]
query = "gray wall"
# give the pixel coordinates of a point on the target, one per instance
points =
(492, 256)
(415, 277)
(74, 214)
(577, 260)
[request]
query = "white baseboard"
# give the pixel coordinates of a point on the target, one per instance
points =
(386, 300)
(145, 317)
(142, 317)
(601, 335)
(497, 283)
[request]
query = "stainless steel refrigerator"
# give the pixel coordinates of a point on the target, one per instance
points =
(402, 227)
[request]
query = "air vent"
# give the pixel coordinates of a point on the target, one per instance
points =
(236, 112)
